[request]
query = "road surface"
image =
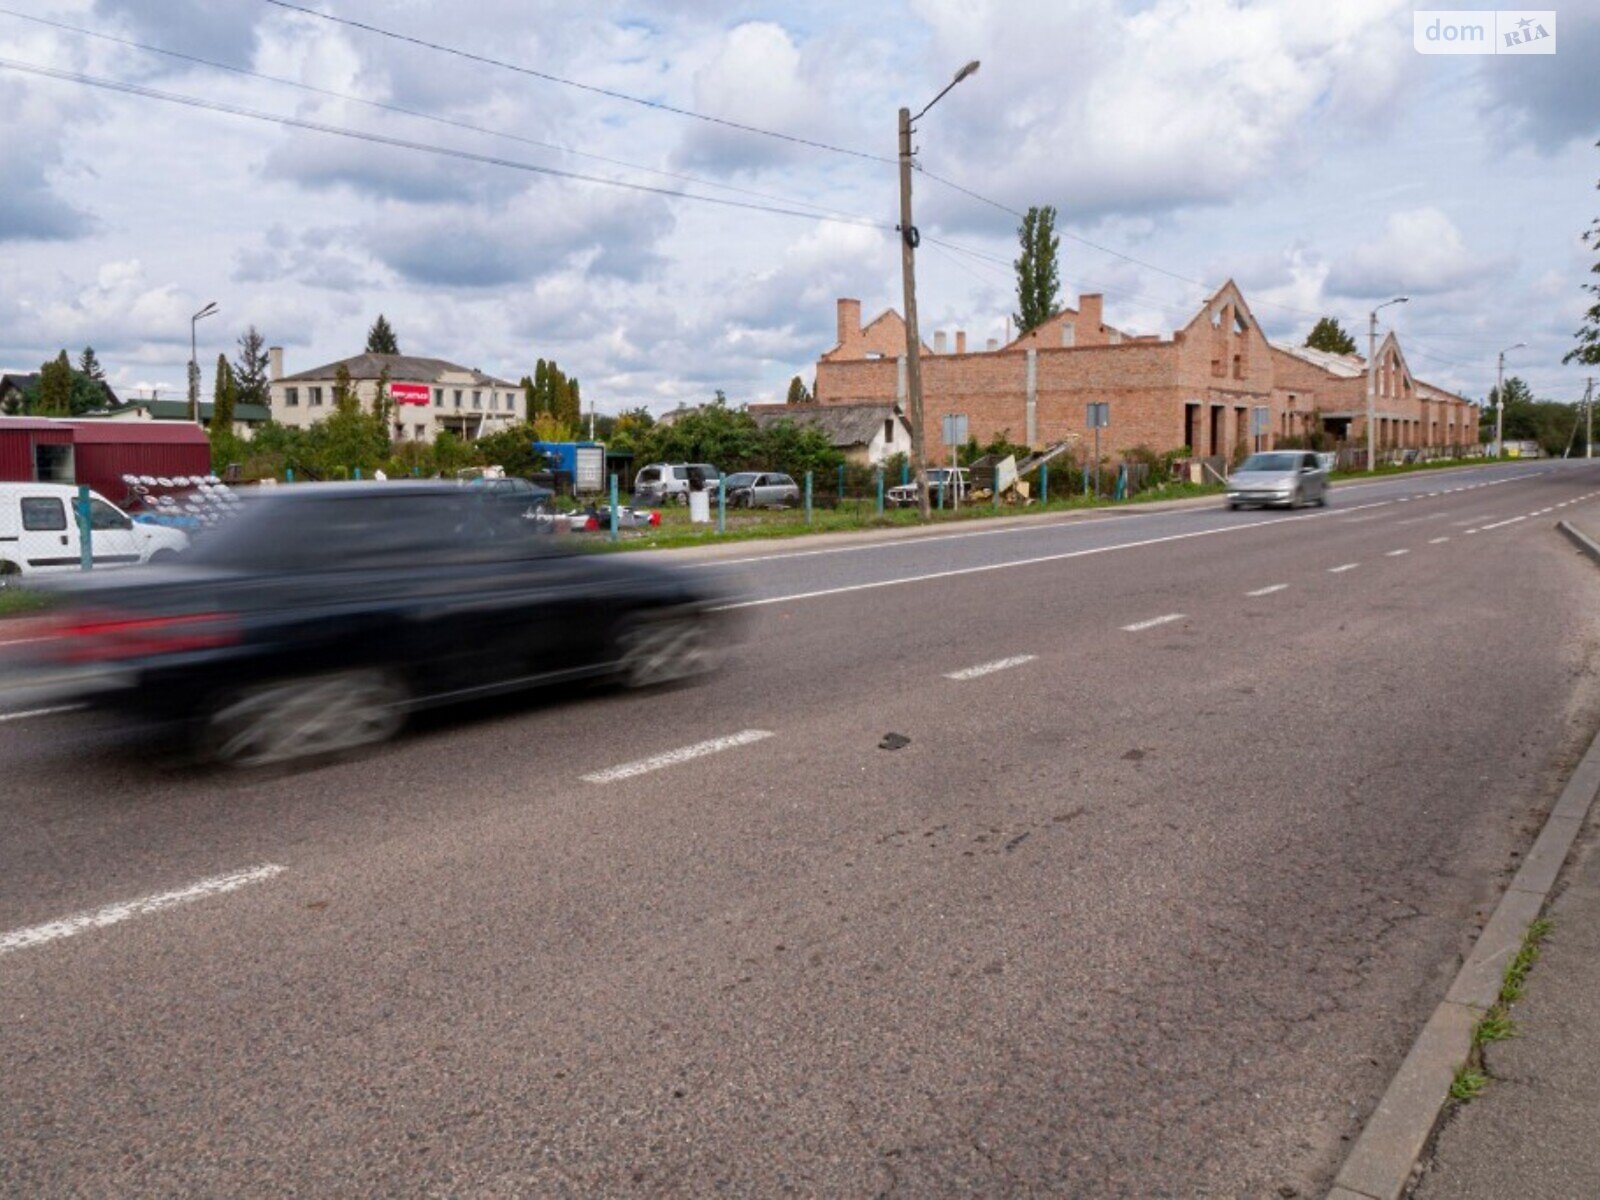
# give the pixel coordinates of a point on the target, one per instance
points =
(1196, 812)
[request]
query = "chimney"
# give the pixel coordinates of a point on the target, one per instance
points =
(938, 342)
(961, 341)
(274, 363)
(849, 322)
(1091, 314)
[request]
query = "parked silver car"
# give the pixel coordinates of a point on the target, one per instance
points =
(761, 489)
(1287, 477)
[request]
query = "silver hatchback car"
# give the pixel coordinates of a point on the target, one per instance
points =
(1287, 477)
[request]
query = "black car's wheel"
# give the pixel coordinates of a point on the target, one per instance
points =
(315, 715)
(164, 556)
(656, 649)
(10, 573)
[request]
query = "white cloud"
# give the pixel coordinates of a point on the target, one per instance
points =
(1420, 250)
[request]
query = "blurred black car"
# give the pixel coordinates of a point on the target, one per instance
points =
(323, 614)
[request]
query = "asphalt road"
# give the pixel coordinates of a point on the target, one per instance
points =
(1154, 909)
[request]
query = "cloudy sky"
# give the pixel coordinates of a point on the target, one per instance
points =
(1305, 150)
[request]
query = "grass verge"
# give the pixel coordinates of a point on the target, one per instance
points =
(16, 602)
(1437, 464)
(743, 525)
(1496, 1025)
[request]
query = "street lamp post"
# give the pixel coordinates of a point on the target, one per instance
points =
(908, 275)
(194, 362)
(1372, 381)
(1500, 400)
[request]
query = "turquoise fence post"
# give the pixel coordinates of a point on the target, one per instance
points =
(808, 497)
(997, 485)
(1122, 482)
(722, 506)
(80, 510)
(841, 482)
(880, 491)
(1044, 484)
(613, 509)
(358, 473)
(288, 474)
(905, 473)
(941, 493)
(1085, 477)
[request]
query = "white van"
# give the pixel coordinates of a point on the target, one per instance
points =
(39, 532)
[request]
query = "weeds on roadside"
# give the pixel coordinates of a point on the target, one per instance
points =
(1468, 1083)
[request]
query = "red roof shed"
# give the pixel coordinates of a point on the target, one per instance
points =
(99, 453)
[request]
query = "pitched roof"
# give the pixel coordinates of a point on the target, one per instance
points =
(178, 410)
(1346, 366)
(403, 368)
(843, 424)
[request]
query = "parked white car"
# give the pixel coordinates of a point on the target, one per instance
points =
(39, 532)
(954, 485)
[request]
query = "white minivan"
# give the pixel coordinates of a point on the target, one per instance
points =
(39, 532)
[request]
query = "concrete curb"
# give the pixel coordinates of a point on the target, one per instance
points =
(1581, 539)
(1380, 1164)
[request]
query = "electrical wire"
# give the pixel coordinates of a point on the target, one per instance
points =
(659, 105)
(134, 89)
(383, 106)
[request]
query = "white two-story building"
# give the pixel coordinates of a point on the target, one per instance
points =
(427, 395)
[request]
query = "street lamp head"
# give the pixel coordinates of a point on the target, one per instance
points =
(206, 311)
(970, 69)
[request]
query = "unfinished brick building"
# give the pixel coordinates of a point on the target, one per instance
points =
(1195, 389)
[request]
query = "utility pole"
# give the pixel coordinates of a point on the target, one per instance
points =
(908, 278)
(909, 238)
(1588, 417)
(194, 362)
(1372, 381)
(1500, 401)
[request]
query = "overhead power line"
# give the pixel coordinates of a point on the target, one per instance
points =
(383, 106)
(493, 160)
(613, 94)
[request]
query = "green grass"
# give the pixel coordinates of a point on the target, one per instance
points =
(1438, 464)
(1496, 1026)
(16, 601)
(1516, 978)
(856, 515)
(1468, 1083)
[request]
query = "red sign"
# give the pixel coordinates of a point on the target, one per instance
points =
(409, 393)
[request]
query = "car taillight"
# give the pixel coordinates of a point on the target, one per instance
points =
(105, 637)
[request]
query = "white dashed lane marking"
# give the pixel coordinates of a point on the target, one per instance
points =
(1438, 541)
(672, 758)
(1140, 626)
(1339, 570)
(989, 668)
(1267, 591)
(113, 914)
(1500, 524)
(1396, 553)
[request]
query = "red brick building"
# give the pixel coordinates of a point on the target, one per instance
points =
(1197, 388)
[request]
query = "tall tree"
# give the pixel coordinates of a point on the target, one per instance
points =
(345, 399)
(1587, 350)
(381, 339)
(1038, 269)
(573, 410)
(1327, 334)
(224, 395)
(250, 368)
(55, 387)
(382, 402)
(89, 365)
(797, 392)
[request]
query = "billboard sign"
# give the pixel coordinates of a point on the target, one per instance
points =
(410, 393)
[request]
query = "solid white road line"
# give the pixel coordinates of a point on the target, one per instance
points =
(1439, 541)
(1140, 626)
(40, 712)
(1341, 569)
(1499, 524)
(1267, 591)
(989, 668)
(113, 914)
(1037, 560)
(1395, 553)
(673, 757)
